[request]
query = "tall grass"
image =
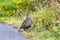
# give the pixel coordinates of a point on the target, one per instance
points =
(44, 26)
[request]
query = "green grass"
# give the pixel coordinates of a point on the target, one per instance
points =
(45, 21)
(41, 20)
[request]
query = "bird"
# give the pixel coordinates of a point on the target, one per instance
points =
(27, 22)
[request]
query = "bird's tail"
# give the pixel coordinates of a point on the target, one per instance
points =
(20, 29)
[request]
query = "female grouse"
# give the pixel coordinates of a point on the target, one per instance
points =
(27, 22)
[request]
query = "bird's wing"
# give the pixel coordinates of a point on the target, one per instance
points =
(24, 23)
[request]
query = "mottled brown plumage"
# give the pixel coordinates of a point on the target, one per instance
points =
(27, 22)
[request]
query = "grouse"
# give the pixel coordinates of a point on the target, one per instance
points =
(27, 22)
